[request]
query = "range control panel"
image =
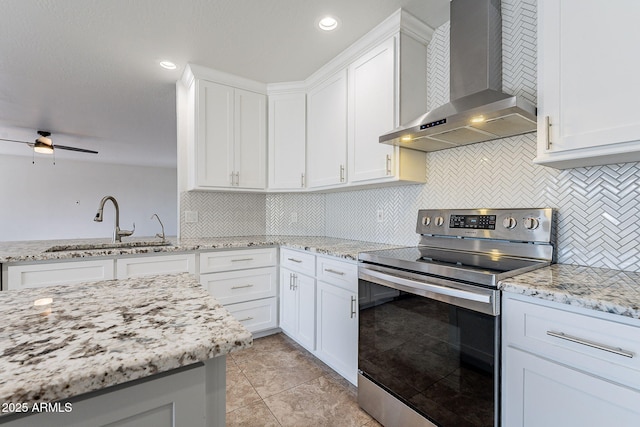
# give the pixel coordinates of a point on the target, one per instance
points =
(527, 225)
(483, 222)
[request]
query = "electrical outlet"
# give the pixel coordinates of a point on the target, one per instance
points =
(380, 215)
(294, 217)
(190, 217)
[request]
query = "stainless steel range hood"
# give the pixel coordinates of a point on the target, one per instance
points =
(478, 110)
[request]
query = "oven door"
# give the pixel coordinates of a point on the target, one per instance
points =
(428, 348)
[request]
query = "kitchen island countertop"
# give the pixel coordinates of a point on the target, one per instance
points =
(95, 335)
(35, 250)
(601, 289)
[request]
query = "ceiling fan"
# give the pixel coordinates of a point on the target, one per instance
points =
(44, 144)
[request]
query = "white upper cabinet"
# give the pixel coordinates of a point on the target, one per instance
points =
(250, 161)
(221, 132)
(371, 112)
(323, 132)
(287, 139)
(587, 88)
(327, 133)
(214, 147)
(375, 107)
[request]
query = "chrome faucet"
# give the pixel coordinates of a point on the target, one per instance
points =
(117, 233)
(161, 225)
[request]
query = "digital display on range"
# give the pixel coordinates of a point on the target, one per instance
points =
(482, 222)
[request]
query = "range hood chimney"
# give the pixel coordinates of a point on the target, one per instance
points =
(478, 110)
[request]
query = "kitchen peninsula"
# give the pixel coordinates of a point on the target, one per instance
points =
(142, 351)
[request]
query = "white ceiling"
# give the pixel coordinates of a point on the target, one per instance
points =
(87, 70)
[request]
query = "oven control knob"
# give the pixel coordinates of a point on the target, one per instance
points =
(439, 221)
(509, 222)
(531, 223)
(426, 220)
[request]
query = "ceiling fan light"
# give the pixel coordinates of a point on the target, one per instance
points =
(43, 145)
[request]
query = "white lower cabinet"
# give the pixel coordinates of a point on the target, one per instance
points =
(245, 282)
(540, 392)
(21, 276)
(338, 329)
(297, 307)
(258, 315)
(319, 307)
(231, 287)
(567, 366)
(156, 264)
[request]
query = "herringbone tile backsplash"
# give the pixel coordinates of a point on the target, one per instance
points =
(598, 207)
(223, 214)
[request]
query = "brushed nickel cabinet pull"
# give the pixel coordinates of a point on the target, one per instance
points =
(388, 164)
(547, 127)
(302, 180)
(353, 307)
(290, 281)
(341, 173)
(329, 270)
(245, 319)
(577, 340)
(241, 259)
(242, 287)
(294, 260)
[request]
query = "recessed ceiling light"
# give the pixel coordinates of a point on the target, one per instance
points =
(168, 65)
(328, 23)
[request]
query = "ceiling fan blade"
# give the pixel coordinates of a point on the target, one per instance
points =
(15, 140)
(55, 146)
(80, 150)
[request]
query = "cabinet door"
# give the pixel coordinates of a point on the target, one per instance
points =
(372, 101)
(542, 393)
(250, 140)
(20, 276)
(337, 343)
(587, 78)
(297, 307)
(215, 135)
(327, 133)
(305, 288)
(287, 136)
(288, 303)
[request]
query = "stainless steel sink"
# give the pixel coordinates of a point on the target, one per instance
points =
(97, 246)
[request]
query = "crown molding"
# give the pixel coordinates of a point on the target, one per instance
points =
(194, 71)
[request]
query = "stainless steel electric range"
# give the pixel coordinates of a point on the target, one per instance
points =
(429, 318)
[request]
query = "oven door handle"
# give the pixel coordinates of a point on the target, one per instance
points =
(482, 300)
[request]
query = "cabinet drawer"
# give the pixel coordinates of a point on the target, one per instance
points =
(59, 273)
(595, 345)
(239, 286)
(302, 262)
(212, 262)
(338, 273)
(151, 265)
(256, 315)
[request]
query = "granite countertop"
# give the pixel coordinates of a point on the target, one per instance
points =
(601, 289)
(36, 250)
(101, 334)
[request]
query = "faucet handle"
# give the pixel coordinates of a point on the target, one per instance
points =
(127, 232)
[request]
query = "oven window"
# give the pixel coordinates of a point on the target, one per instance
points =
(437, 358)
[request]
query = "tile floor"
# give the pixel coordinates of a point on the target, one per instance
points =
(278, 383)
